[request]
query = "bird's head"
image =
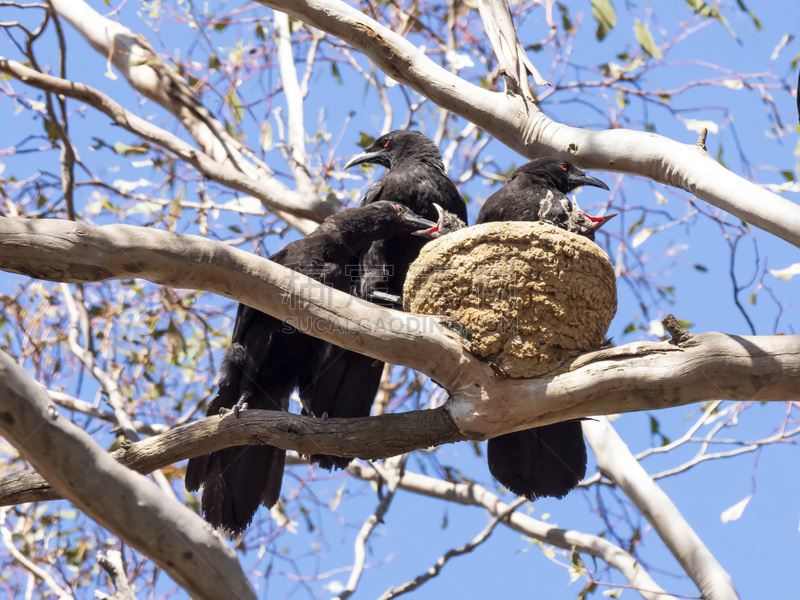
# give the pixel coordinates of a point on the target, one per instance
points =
(396, 146)
(392, 217)
(559, 174)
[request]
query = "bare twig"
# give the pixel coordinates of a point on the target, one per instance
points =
(615, 460)
(33, 568)
(121, 500)
(471, 494)
(112, 564)
(410, 586)
(224, 174)
(391, 472)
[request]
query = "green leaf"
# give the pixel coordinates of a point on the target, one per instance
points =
(743, 8)
(719, 157)
(335, 72)
(606, 17)
(566, 22)
(701, 268)
(233, 100)
(125, 150)
(635, 226)
(366, 141)
(51, 129)
(788, 175)
(645, 39)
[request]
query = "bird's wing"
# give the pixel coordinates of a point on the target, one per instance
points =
(244, 317)
(373, 194)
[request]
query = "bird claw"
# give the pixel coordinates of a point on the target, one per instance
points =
(237, 408)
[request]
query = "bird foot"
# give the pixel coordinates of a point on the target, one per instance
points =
(237, 408)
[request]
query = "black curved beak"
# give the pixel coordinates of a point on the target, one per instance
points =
(375, 157)
(579, 179)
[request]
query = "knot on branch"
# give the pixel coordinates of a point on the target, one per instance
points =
(679, 334)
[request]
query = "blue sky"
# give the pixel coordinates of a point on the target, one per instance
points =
(760, 549)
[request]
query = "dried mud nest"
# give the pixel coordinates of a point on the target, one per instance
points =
(527, 296)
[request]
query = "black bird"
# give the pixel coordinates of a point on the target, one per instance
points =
(346, 382)
(268, 358)
(537, 191)
(416, 178)
(549, 460)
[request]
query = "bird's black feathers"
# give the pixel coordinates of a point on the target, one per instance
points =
(539, 462)
(416, 178)
(537, 191)
(346, 382)
(268, 359)
(549, 460)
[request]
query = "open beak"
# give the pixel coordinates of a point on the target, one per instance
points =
(377, 157)
(432, 231)
(425, 226)
(584, 179)
(600, 221)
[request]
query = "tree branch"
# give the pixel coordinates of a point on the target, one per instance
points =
(639, 376)
(524, 128)
(369, 438)
(472, 494)
(597, 383)
(120, 500)
(615, 460)
(223, 174)
(138, 62)
(296, 131)
(60, 250)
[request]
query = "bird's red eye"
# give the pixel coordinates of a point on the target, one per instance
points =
(386, 144)
(564, 166)
(399, 208)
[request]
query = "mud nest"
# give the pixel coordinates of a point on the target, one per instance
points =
(527, 296)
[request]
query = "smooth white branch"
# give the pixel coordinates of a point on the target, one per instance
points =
(119, 499)
(520, 125)
(218, 171)
(615, 460)
(638, 376)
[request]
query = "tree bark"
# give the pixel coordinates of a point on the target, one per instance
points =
(120, 500)
(522, 126)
